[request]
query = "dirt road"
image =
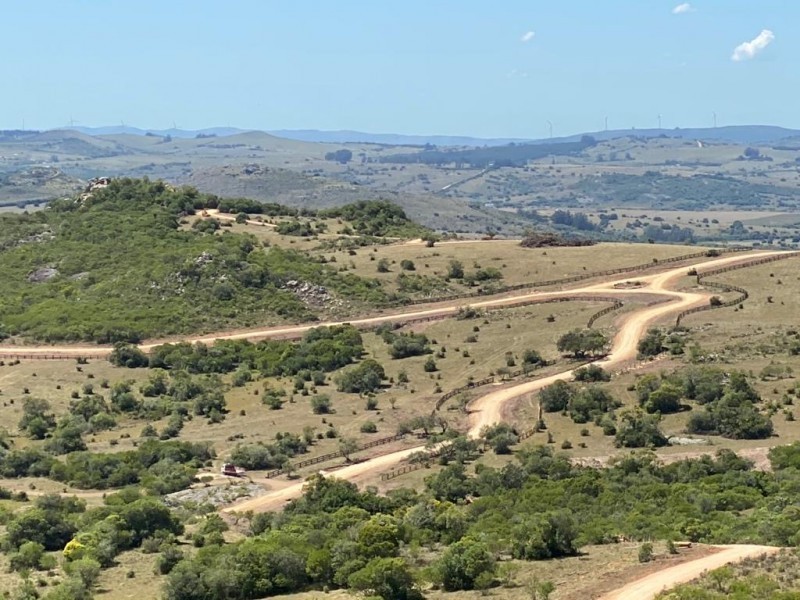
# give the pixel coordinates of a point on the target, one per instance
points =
(657, 285)
(649, 587)
(493, 407)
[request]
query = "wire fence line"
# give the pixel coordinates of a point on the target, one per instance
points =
(727, 287)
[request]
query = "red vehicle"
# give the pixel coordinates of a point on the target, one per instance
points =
(231, 470)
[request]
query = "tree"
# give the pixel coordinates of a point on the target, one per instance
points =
(638, 430)
(556, 396)
(430, 365)
(128, 355)
(652, 344)
(532, 357)
(364, 378)
(407, 265)
(455, 270)
(500, 437)
(579, 342)
(462, 563)
(342, 156)
(36, 420)
(666, 399)
(383, 265)
(592, 373)
(386, 578)
(347, 446)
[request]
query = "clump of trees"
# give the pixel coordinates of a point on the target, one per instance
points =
(582, 342)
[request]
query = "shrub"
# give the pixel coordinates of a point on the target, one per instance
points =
(368, 427)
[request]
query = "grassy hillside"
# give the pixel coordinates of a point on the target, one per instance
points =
(117, 266)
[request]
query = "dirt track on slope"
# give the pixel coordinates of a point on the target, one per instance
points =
(650, 586)
(442, 310)
(493, 407)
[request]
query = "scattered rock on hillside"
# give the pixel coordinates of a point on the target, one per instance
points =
(686, 441)
(216, 495)
(42, 275)
(315, 295)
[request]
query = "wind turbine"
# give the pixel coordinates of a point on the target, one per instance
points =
(550, 125)
(606, 123)
(715, 120)
(659, 121)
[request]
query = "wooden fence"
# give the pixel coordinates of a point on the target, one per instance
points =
(333, 455)
(575, 278)
(727, 287)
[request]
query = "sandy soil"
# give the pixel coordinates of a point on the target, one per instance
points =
(650, 586)
(491, 408)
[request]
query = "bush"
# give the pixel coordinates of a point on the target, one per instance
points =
(592, 373)
(128, 355)
(368, 427)
(321, 404)
(646, 552)
(430, 365)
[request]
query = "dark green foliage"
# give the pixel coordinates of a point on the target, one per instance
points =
(589, 403)
(545, 536)
(404, 345)
(580, 342)
(269, 456)
(367, 376)
(556, 396)
(592, 373)
(321, 404)
(463, 563)
(665, 399)
(733, 414)
(158, 466)
(430, 365)
(532, 357)
(127, 271)
(37, 420)
(500, 438)
(455, 270)
(378, 218)
(652, 344)
(322, 349)
(638, 430)
(127, 355)
(386, 578)
(298, 228)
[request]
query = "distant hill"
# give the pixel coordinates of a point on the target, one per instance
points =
(739, 134)
(173, 132)
(391, 139)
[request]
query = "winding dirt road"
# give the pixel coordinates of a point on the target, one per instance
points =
(649, 587)
(495, 407)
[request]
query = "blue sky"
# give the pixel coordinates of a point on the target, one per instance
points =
(410, 66)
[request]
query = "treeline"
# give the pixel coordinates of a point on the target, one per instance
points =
(376, 218)
(538, 507)
(320, 349)
(159, 467)
(512, 155)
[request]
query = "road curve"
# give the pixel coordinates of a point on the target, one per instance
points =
(445, 310)
(650, 586)
(490, 408)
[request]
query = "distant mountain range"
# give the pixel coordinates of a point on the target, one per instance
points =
(739, 134)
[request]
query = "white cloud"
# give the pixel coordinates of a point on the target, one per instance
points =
(748, 50)
(682, 9)
(527, 37)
